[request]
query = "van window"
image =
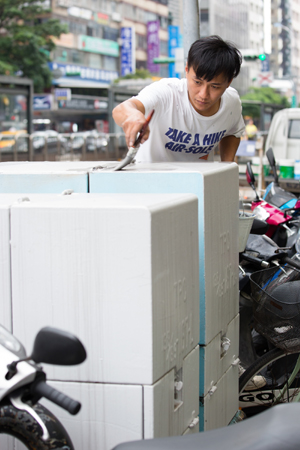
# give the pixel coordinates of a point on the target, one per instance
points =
(294, 129)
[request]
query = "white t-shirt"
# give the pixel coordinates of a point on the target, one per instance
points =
(177, 131)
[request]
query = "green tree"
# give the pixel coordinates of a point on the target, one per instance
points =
(264, 95)
(26, 31)
(137, 75)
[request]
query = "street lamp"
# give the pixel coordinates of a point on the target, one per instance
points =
(288, 72)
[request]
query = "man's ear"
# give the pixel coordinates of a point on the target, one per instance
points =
(186, 69)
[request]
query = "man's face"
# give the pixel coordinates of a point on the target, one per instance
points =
(205, 95)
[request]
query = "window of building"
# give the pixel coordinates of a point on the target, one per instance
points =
(163, 21)
(164, 47)
(111, 33)
(110, 63)
(95, 61)
(204, 15)
(77, 57)
(141, 42)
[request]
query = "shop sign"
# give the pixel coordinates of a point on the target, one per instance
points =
(153, 45)
(127, 50)
(62, 94)
(84, 73)
(65, 40)
(101, 18)
(96, 45)
(82, 103)
(42, 102)
(87, 14)
(174, 42)
(80, 12)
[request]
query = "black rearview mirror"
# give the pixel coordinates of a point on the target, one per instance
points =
(54, 346)
(272, 162)
(250, 174)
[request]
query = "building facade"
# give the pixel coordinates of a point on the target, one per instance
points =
(241, 22)
(105, 40)
(285, 56)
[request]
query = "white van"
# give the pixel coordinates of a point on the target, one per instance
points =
(284, 134)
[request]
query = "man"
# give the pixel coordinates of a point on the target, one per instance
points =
(193, 116)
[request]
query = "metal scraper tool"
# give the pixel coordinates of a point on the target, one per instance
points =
(133, 150)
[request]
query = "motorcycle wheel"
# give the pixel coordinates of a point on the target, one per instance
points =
(276, 366)
(21, 425)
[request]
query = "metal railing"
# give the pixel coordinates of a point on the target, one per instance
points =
(62, 146)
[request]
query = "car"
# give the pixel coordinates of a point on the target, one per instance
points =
(10, 139)
(284, 134)
(53, 139)
(92, 139)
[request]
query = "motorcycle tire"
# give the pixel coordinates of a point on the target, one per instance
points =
(21, 425)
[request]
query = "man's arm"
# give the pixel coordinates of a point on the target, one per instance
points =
(228, 147)
(130, 115)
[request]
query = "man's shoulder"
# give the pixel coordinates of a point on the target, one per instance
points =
(232, 93)
(176, 83)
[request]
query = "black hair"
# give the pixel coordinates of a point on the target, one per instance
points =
(210, 56)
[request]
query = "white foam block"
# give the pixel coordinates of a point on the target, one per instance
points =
(5, 290)
(217, 188)
(44, 177)
(169, 415)
(219, 407)
(112, 414)
(6, 200)
(119, 271)
(218, 356)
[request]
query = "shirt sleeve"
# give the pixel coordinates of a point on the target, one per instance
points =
(238, 125)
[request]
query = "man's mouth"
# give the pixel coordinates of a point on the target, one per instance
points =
(201, 102)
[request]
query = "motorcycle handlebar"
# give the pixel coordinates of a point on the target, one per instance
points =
(292, 262)
(44, 390)
(254, 260)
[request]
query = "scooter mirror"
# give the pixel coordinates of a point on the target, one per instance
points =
(249, 174)
(272, 162)
(54, 346)
(271, 157)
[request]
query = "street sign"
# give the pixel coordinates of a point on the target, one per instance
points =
(265, 78)
(164, 60)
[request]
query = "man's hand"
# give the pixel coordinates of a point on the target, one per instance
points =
(228, 147)
(130, 115)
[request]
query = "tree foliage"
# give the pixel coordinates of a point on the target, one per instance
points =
(264, 95)
(26, 31)
(138, 74)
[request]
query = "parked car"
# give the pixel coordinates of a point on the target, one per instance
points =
(284, 134)
(52, 138)
(8, 139)
(92, 139)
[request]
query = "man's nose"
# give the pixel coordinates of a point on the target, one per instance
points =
(203, 92)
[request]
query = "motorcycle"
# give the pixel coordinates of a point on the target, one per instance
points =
(283, 227)
(277, 196)
(23, 384)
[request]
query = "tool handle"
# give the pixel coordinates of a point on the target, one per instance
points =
(143, 129)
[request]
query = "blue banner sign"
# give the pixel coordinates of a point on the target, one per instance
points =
(127, 50)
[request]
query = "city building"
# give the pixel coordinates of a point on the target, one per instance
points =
(285, 56)
(241, 22)
(105, 40)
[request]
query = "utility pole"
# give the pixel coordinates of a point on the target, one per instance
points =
(191, 28)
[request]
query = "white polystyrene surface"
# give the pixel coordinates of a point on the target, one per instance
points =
(120, 271)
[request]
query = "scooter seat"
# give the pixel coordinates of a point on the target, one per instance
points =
(275, 429)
